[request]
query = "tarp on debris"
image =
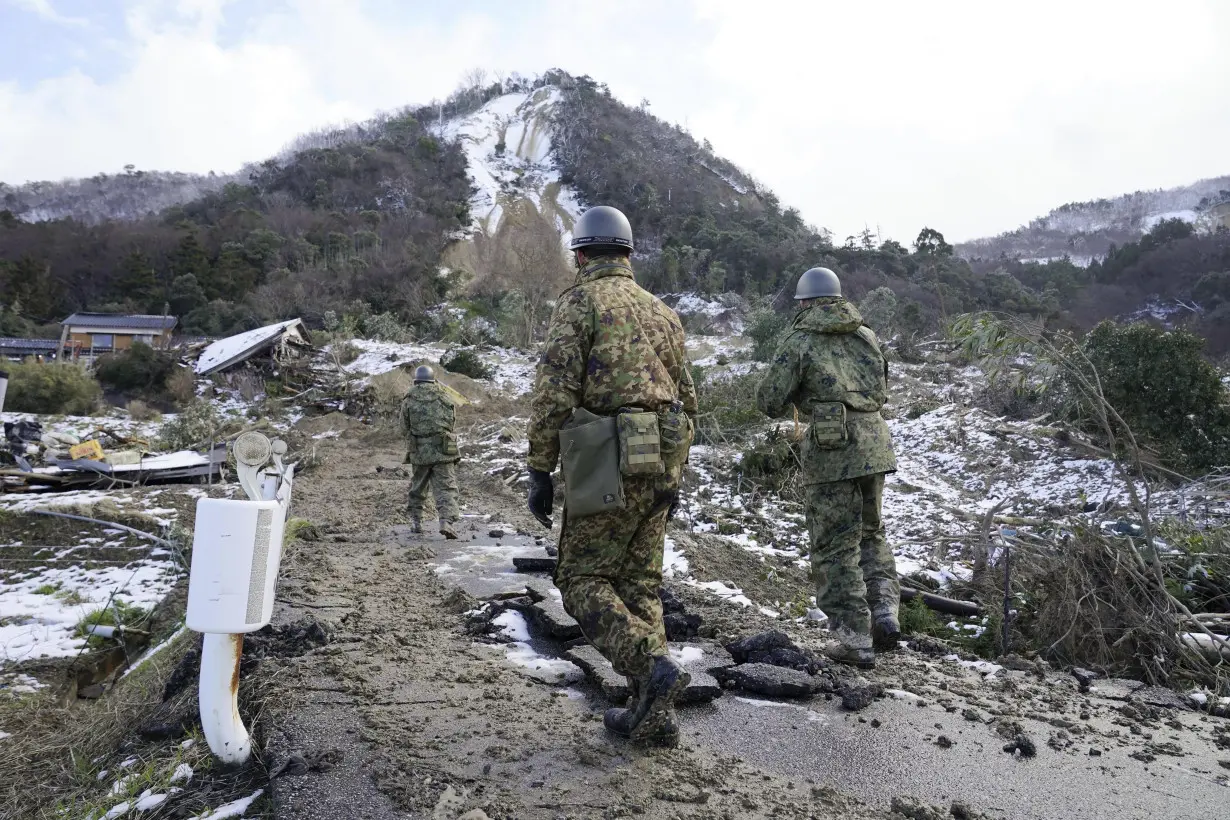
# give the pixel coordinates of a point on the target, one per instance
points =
(149, 469)
(226, 353)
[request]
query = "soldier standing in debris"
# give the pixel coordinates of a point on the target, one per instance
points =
(614, 388)
(427, 418)
(830, 367)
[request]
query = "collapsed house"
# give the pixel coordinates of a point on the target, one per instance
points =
(284, 344)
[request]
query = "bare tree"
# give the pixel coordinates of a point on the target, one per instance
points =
(539, 273)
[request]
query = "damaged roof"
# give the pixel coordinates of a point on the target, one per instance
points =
(226, 353)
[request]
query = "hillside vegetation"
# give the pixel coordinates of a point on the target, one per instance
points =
(357, 221)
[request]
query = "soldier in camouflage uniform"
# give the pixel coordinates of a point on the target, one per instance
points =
(427, 418)
(613, 345)
(830, 367)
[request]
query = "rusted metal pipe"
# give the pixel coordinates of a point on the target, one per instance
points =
(219, 698)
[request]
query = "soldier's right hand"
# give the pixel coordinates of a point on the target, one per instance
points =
(541, 496)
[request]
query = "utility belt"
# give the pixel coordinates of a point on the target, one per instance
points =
(596, 452)
(444, 443)
(828, 424)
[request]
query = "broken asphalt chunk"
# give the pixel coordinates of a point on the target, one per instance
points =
(776, 649)
(696, 658)
(859, 694)
(550, 619)
(534, 563)
(769, 680)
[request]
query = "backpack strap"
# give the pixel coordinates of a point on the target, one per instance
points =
(868, 335)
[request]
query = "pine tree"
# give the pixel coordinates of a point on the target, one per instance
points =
(137, 281)
(189, 259)
(186, 295)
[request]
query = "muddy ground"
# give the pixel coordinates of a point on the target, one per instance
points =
(406, 713)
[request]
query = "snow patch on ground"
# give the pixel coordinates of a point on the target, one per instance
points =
(233, 809)
(42, 625)
(548, 670)
(514, 369)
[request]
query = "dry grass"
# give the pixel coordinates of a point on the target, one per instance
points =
(49, 760)
(140, 411)
(387, 391)
(181, 386)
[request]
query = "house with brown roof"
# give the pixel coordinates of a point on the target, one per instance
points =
(93, 334)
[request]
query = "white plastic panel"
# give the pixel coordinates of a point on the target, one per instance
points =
(236, 554)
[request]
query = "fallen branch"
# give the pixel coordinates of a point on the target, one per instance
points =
(150, 536)
(949, 606)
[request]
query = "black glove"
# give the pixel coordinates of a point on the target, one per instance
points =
(542, 496)
(674, 508)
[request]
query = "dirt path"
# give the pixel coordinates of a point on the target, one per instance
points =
(410, 717)
(405, 714)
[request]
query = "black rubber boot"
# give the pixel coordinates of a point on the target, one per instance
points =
(660, 724)
(885, 633)
(850, 656)
(623, 721)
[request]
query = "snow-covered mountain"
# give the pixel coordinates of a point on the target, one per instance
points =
(130, 195)
(1084, 230)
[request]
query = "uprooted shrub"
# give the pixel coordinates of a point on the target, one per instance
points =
(467, 363)
(727, 407)
(774, 462)
(197, 426)
(51, 389)
(1095, 600)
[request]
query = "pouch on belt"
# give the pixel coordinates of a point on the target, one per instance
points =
(828, 426)
(640, 443)
(589, 459)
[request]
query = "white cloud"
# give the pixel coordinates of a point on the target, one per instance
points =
(970, 117)
(43, 9)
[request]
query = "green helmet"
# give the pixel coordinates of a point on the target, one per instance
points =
(601, 225)
(423, 373)
(817, 282)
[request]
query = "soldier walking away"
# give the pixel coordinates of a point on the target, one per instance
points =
(427, 418)
(830, 367)
(614, 362)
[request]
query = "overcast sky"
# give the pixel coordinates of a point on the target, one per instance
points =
(969, 117)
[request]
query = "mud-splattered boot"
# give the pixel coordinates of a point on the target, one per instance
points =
(885, 632)
(853, 648)
(416, 524)
(852, 656)
(623, 721)
(446, 529)
(660, 724)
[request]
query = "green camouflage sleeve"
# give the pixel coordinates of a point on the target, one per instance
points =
(559, 383)
(785, 374)
(687, 390)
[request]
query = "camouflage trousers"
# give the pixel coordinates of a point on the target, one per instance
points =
(610, 572)
(852, 565)
(442, 480)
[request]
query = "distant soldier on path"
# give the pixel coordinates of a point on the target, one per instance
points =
(427, 419)
(831, 368)
(614, 363)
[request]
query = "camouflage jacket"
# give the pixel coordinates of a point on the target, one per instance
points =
(829, 355)
(611, 344)
(427, 417)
